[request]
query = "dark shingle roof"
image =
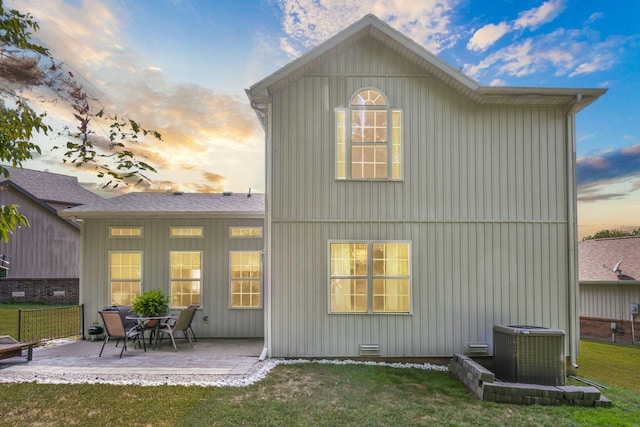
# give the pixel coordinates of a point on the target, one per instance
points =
(51, 187)
(597, 258)
(170, 204)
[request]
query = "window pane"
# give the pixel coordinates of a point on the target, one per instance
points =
(391, 259)
(368, 126)
(245, 231)
(396, 144)
(348, 295)
(391, 295)
(125, 231)
(369, 97)
(348, 259)
(369, 162)
(186, 231)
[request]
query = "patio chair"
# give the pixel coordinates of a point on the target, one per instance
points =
(114, 327)
(181, 324)
(195, 307)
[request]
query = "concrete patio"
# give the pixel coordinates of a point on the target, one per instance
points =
(209, 362)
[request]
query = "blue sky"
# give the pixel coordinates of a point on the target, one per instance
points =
(181, 67)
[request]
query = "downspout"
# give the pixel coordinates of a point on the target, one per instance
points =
(81, 246)
(572, 232)
(267, 350)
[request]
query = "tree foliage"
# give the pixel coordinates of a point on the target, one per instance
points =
(25, 65)
(612, 234)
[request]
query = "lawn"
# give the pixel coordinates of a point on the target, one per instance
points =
(325, 395)
(43, 325)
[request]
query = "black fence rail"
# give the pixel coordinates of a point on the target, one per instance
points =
(47, 324)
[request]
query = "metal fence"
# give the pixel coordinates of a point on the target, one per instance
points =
(47, 324)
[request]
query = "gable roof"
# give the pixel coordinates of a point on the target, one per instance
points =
(371, 26)
(597, 259)
(166, 204)
(36, 201)
(51, 188)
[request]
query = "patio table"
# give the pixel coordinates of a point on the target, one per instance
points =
(144, 320)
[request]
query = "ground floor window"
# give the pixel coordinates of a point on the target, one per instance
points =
(369, 277)
(125, 276)
(246, 279)
(186, 278)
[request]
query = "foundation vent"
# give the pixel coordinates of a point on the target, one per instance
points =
(369, 349)
(478, 349)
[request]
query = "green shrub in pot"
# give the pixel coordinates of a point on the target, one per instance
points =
(150, 304)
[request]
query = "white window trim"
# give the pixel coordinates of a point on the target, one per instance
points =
(260, 280)
(245, 227)
(171, 279)
(344, 133)
(110, 279)
(137, 227)
(183, 227)
(369, 279)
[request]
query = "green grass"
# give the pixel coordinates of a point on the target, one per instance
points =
(9, 317)
(43, 325)
(324, 395)
(617, 364)
(298, 395)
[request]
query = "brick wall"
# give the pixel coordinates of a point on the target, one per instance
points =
(600, 329)
(40, 291)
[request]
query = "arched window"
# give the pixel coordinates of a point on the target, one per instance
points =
(369, 138)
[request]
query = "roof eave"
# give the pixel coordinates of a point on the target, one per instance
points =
(37, 201)
(259, 94)
(167, 214)
(579, 98)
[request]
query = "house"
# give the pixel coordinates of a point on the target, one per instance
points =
(409, 209)
(41, 260)
(204, 249)
(609, 273)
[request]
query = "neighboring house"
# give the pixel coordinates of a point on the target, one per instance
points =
(409, 208)
(205, 249)
(42, 260)
(609, 272)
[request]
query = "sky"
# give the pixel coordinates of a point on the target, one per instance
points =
(181, 67)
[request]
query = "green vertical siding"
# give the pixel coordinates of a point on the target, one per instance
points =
(483, 201)
(156, 246)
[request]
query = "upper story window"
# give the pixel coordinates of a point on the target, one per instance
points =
(125, 231)
(369, 138)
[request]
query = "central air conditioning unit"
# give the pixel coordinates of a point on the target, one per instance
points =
(529, 354)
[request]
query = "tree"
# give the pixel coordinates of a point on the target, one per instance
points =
(612, 234)
(26, 65)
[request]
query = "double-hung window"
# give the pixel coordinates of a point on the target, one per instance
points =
(370, 277)
(369, 138)
(246, 279)
(186, 278)
(125, 276)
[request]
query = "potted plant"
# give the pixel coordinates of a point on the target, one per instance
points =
(150, 304)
